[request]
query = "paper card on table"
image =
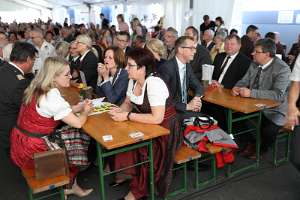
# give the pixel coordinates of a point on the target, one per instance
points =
(207, 72)
(107, 138)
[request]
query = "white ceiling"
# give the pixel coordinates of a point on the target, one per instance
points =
(50, 4)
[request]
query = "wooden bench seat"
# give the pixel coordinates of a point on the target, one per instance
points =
(37, 186)
(185, 154)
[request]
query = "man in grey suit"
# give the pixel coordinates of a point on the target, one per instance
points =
(267, 79)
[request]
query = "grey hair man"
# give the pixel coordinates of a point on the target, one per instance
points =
(267, 78)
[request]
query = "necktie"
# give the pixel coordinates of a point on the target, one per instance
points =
(183, 88)
(256, 80)
(224, 64)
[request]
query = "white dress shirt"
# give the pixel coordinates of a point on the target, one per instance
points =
(227, 66)
(46, 50)
(295, 76)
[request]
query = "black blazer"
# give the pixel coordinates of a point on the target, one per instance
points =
(210, 46)
(115, 92)
(235, 71)
(12, 86)
(201, 57)
(89, 66)
(170, 74)
(247, 46)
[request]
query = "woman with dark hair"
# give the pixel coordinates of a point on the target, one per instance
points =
(220, 25)
(112, 77)
(123, 26)
(147, 101)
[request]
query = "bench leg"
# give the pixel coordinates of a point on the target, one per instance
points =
(287, 138)
(62, 193)
(30, 195)
(213, 174)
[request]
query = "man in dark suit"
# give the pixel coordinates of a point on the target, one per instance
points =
(123, 38)
(201, 56)
(179, 77)
(248, 40)
(208, 37)
(104, 22)
(88, 60)
(230, 66)
(14, 79)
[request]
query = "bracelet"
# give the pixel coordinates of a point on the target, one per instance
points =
(128, 116)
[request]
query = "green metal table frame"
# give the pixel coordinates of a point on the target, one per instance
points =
(106, 153)
(60, 192)
(230, 121)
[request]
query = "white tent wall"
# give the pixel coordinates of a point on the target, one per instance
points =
(179, 15)
(22, 11)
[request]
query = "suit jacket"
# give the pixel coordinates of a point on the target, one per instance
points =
(12, 86)
(235, 71)
(201, 57)
(210, 46)
(247, 46)
(89, 66)
(273, 84)
(169, 72)
(115, 92)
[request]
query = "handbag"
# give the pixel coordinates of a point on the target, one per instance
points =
(50, 164)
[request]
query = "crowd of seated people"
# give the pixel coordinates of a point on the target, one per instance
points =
(148, 76)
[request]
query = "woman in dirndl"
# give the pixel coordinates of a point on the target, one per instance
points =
(42, 110)
(147, 101)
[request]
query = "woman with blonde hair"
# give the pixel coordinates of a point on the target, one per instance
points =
(42, 110)
(219, 41)
(158, 50)
(62, 49)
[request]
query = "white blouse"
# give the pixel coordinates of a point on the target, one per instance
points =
(156, 89)
(53, 105)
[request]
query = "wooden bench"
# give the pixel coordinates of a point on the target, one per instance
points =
(37, 186)
(284, 135)
(183, 155)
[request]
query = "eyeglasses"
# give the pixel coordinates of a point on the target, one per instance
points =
(68, 74)
(34, 37)
(122, 40)
(258, 52)
(191, 48)
(131, 66)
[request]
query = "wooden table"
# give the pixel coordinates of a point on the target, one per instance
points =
(99, 125)
(250, 108)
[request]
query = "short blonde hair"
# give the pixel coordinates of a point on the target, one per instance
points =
(44, 80)
(62, 49)
(85, 39)
(156, 46)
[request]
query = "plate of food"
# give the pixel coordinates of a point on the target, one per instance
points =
(100, 107)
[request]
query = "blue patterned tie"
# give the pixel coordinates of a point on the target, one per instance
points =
(183, 88)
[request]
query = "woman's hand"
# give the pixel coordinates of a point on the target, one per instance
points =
(103, 71)
(87, 106)
(118, 114)
(77, 108)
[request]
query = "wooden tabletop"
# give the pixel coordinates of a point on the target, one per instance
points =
(223, 97)
(99, 125)
(71, 95)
